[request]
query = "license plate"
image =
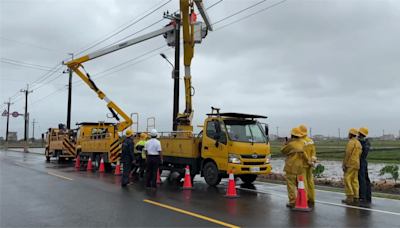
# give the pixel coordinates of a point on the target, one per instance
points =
(255, 169)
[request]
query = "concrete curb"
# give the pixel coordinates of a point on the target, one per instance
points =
(30, 152)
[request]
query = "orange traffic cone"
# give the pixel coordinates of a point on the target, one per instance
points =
(89, 164)
(101, 169)
(231, 191)
(117, 169)
(77, 163)
(187, 184)
(301, 201)
(158, 177)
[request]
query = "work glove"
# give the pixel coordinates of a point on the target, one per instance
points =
(313, 164)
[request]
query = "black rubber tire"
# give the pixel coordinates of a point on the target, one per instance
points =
(211, 174)
(107, 167)
(248, 178)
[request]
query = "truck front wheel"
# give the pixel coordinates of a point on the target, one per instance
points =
(248, 178)
(211, 174)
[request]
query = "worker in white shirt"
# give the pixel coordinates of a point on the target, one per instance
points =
(153, 159)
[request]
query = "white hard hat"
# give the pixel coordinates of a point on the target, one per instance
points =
(153, 132)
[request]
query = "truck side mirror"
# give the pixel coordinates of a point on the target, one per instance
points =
(42, 136)
(266, 129)
(217, 125)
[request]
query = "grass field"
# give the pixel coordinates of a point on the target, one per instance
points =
(377, 154)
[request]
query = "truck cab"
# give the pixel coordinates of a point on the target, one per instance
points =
(237, 142)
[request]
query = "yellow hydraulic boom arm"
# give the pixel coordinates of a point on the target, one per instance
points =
(75, 64)
(186, 7)
(188, 38)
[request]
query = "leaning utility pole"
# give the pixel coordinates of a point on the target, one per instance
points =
(33, 130)
(8, 119)
(69, 95)
(177, 18)
(26, 91)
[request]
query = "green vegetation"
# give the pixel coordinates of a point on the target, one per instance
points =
(391, 169)
(317, 172)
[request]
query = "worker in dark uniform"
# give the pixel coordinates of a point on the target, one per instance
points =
(153, 159)
(127, 157)
(363, 178)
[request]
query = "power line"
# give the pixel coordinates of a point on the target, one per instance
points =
(26, 66)
(33, 45)
(10, 60)
(120, 26)
(269, 7)
(124, 28)
(80, 82)
(9, 79)
(34, 112)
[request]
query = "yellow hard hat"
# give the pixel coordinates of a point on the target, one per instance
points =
(363, 131)
(296, 132)
(143, 135)
(303, 129)
(353, 131)
(129, 133)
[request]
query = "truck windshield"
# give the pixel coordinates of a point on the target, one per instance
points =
(244, 131)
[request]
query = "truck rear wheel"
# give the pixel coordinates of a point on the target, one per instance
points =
(248, 178)
(211, 174)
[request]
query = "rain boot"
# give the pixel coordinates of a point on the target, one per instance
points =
(349, 199)
(356, 200)
(290, 205)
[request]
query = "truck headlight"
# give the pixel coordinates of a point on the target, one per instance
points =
(267, 161)
(234, 158)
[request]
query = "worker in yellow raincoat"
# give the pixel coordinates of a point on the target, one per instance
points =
(310, 158)
(351, 165)
(141, 154)
(293, 151)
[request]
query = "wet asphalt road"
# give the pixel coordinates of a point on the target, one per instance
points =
(31, 197)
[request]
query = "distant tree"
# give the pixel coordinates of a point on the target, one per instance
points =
(391, 169)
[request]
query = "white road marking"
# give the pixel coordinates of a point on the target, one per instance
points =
(323, 202)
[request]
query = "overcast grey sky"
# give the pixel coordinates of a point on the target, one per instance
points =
(325, 64)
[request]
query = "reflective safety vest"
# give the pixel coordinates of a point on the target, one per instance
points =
(140, 148)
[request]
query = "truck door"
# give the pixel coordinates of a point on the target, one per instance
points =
(213, 147)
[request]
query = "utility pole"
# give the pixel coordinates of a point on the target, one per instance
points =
(33, 130)
(310, 132)
(177, 18)
(26, 91)
(8, 119)
(383, 132)
(69, 96)
(339, 133)
(277, 131)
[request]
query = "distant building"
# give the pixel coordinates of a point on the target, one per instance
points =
(387, 137)
(12, 136)
(272, 137)
(319, 137)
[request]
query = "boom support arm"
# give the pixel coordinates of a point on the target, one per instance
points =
(114, 109)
